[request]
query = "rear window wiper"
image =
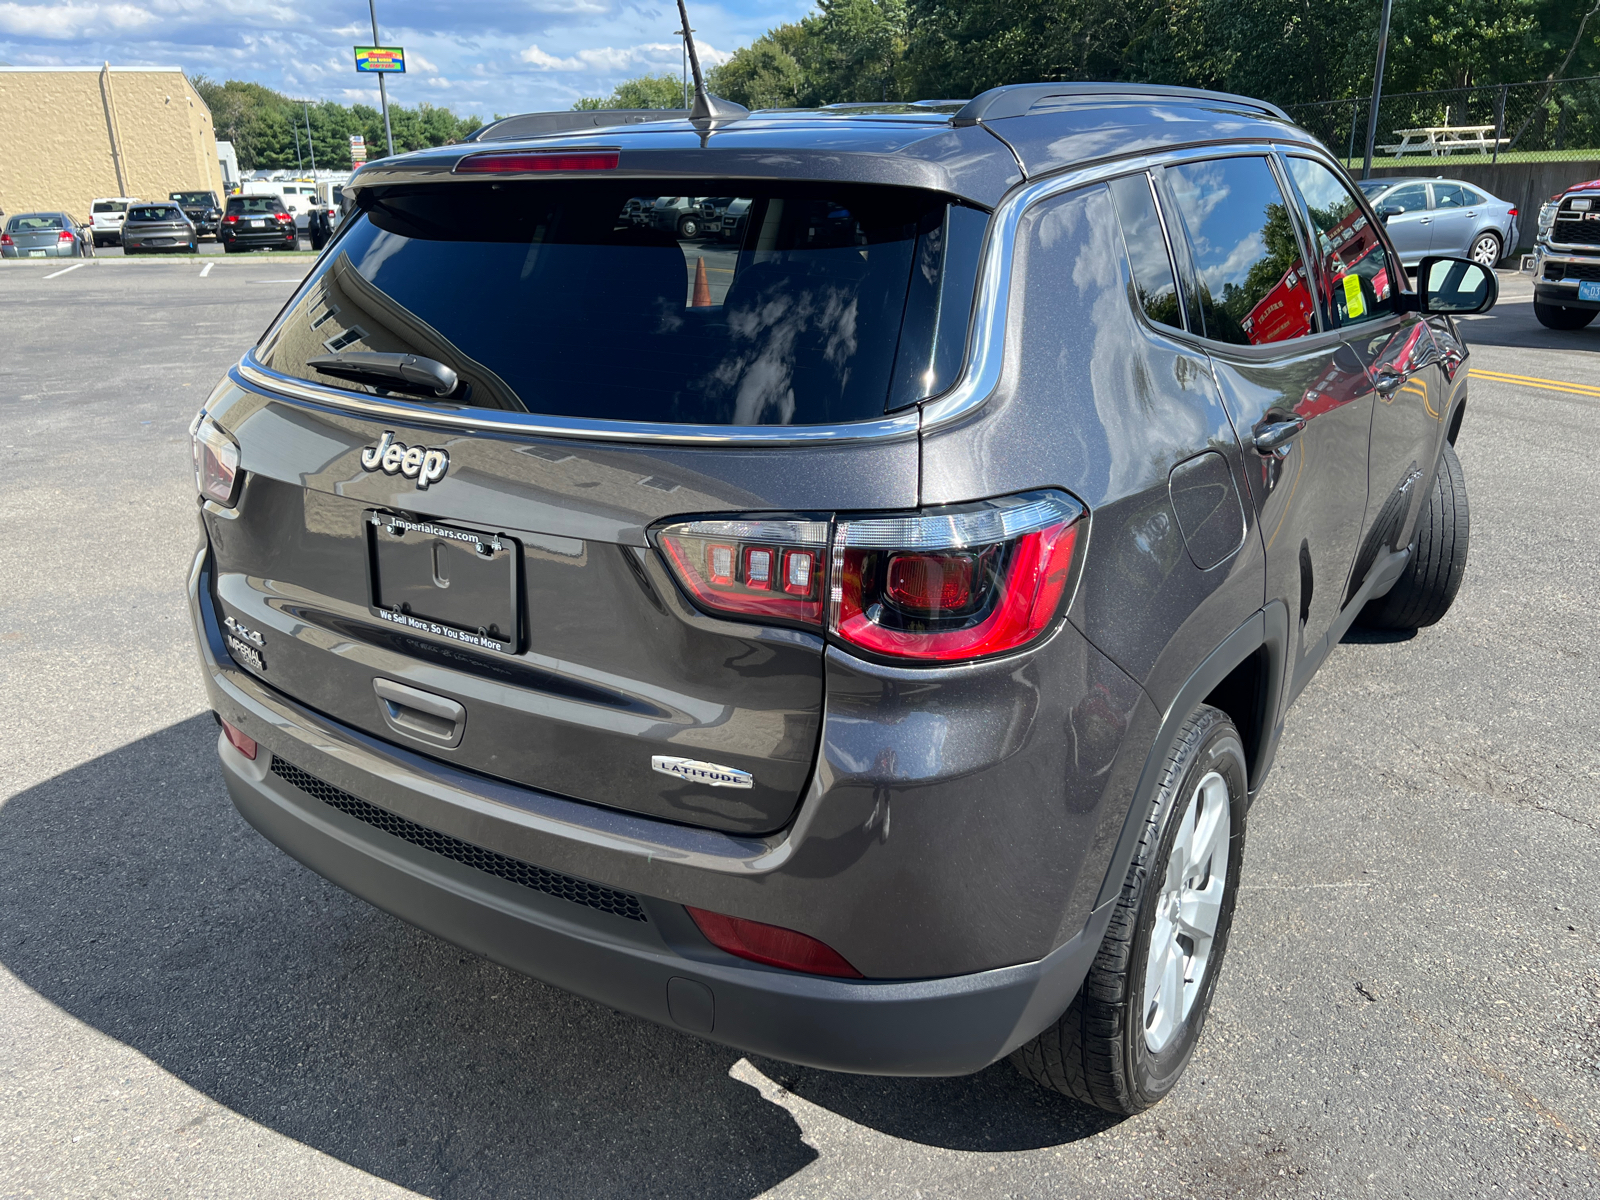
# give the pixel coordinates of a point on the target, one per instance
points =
(396, 372)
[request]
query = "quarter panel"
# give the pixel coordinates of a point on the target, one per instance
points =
(1094, 400)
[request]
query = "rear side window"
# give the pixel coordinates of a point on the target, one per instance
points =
(254, 204)
(1358, 284)
(1253, 286)
(1153, 278)
(755, 304)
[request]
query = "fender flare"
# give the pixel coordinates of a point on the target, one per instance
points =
(1267, 628)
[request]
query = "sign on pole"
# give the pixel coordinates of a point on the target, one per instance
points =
(385, 60)
(358, 149)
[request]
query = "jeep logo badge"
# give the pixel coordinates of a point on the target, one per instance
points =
(414, 462)
(710, 774)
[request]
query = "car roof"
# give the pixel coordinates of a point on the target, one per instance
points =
(974, 149)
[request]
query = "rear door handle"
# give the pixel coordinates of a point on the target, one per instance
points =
(420, 714)
(1388, 381)
(1271, 438)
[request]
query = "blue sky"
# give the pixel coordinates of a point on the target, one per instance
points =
(498, 56)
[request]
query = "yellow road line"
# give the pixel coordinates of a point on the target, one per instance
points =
(1548, 385)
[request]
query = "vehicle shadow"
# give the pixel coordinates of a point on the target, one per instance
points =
(135, 899)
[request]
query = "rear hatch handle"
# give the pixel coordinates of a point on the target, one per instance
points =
(421, 715)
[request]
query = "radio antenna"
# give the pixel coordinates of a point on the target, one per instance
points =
(709, 108)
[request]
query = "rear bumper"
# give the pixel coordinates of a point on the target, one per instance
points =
(652, 969)
(938, 892)
(257, 241)
(53, 251)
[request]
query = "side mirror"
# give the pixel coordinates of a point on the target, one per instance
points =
(1386, 211)
(1455, 286)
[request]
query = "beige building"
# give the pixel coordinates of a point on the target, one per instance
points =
(69, 134)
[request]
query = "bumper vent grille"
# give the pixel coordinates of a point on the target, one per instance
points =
(1557, 270)
(551, 883)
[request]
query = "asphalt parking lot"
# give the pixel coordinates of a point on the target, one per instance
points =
(1410, 1006)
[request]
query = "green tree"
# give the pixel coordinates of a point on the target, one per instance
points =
(647, 91)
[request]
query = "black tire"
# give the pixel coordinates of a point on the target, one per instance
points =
(1424, 593)
(1097, 1052)
(1556, 316)
(689, 227)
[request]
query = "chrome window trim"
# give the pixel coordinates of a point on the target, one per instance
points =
(980, 370)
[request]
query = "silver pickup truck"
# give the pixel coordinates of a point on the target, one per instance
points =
(1565, 262)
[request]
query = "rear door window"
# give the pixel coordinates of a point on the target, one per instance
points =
(601, 300)
(1253, 285)
(1450, 195)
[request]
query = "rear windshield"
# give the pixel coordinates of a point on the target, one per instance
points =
(254, 204)
(205, 198)
(154, 212)
(37, 223)
(760, 304)
(109, 206)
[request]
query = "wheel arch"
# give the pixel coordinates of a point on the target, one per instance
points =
(1246, 677)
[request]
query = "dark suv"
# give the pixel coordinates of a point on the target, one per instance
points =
(859, 645)
(201, 209)
(257, 223)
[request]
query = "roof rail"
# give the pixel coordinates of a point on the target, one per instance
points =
(1014, 100)
(538, 124)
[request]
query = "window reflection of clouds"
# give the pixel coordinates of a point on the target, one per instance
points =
(380, 249)
(764, 373)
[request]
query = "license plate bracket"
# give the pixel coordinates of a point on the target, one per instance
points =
(455, 583)
(1589, 289)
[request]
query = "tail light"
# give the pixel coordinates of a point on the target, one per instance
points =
(770, 569)
(5, 240)
(948, 585)
(771, 944)
(216, 462)
(283, 216)
(66, 236)
(1513, 212)
(231, 218)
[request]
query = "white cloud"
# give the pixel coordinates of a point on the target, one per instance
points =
(614, 59)
(69, 21)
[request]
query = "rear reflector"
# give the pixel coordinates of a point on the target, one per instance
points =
(538, 160)
(244, 744)
(772, 945)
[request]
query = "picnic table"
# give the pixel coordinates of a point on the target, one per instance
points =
(1444, 139)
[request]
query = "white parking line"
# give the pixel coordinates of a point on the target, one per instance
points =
(64, 270)
(206, 270)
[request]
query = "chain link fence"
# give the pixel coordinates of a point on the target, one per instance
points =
(1542, 121)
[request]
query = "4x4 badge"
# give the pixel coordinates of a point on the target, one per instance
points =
(414, 462)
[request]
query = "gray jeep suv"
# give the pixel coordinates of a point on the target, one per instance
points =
(858, 644)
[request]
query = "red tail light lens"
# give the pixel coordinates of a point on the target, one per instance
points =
(1513, 212)
(240, 741)
(772, 945)
(538, 160)
(216, 462)
(66, 236)
(765, 568)
(283, 216)
(5, 239)
(231, 218)
(967, 583)
(958, 583)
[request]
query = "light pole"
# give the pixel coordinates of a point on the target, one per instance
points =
(309, 146)
(383, 92)
(1377, 87)
(684, 34)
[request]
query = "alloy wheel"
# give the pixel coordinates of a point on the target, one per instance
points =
(1486, 250)
(1188, 910)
